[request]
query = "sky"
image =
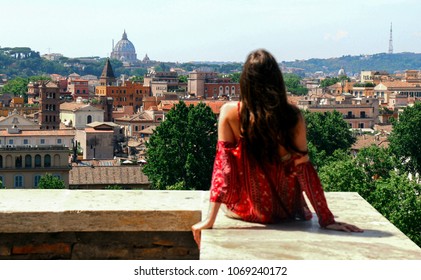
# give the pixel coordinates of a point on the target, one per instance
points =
(212, 30)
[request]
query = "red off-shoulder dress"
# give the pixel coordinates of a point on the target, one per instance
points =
(266, 194)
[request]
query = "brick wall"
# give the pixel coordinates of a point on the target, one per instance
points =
(98, 246)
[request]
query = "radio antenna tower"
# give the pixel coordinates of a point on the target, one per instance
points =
(390, 40)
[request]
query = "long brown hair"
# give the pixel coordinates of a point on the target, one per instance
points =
(267, 119)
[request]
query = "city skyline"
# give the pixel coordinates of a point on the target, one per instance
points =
(213, 30)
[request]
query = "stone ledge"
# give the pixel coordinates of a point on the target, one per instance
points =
(238, 240)
(89, 210)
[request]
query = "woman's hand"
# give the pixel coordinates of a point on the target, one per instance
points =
(344, 227)
(197, 229)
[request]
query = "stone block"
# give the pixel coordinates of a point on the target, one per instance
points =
(46, 248)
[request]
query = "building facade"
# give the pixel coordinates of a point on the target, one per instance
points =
(123, 93)
(210, 85)
(26, 155)
(49, 101)
(78, 114)
(359, 113)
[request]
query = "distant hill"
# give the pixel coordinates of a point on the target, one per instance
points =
(392, 63)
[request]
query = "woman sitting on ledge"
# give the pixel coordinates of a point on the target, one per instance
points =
(261, 166)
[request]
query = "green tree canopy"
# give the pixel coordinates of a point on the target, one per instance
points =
(405, 139)
(49, 181)
(328, 131)
(293, 85)
(372, 174)
(182, 149)
(398, 199)
(182, 78)
(19, 85)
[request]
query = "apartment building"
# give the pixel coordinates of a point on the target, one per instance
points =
(357, 112)
(210, 85)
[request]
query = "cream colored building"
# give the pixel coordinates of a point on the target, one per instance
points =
(357, 112)
(27, 155)
(16, 120)
(78, 115)
(385, 90)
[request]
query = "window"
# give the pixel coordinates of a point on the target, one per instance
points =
(25, 141)
(42, 141)
(37, 161)
(36, 180)
(18, 162)
(10, 141)
(89, 119)
(28, 161)
(18, 183)
(59, 141)
(361, 125)
(1, 161)
(362, 114)
(47, 161)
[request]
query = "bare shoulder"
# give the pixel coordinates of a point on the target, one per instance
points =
(229, 110)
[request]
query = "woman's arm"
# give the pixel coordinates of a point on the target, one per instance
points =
(228, 131)
(207, 223)
(314, 189)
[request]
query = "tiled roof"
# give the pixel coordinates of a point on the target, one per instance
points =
(367, 140)
(398, 84)
(71, 106)
(107, 175)
(215, 105)
(138, 117)
(27, 133)
(148, 130)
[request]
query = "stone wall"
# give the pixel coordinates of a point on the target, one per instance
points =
(98, 246)
(98, 225)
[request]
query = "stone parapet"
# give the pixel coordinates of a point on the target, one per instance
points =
(147, 224)
(305, 240)
(106, 224)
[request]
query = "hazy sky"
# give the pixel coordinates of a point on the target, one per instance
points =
(213, 30)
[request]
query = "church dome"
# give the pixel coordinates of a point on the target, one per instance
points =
(124, 50)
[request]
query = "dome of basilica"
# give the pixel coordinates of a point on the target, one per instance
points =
(124, 50)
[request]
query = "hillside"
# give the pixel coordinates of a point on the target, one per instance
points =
(391, 63)
(25, 62)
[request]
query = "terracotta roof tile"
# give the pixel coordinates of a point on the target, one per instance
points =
(26, 133)
(107, 175)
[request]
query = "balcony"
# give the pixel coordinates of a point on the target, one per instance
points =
(139, 224)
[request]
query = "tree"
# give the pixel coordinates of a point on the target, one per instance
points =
(113, 187)
(328, 82)
(328, 131)
(292, 83)
(345, 176)
(405, 139)
(235, 77)
(371, 173)
(182, 78)
(182, 149)
(398, 199)
(377, 162)
(49, 181)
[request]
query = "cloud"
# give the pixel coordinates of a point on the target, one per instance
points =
(339, 35)
(417, 34)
